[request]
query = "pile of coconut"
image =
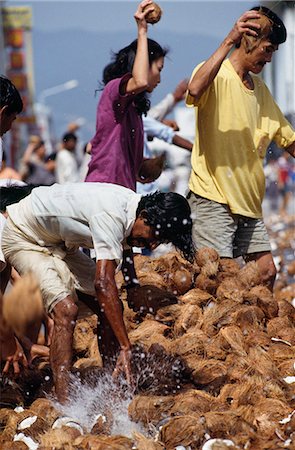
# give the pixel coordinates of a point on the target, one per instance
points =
(214, 365)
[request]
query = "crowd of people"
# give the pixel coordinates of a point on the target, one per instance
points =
(116, 206)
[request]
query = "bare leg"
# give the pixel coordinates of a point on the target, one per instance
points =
(64, 315)
(266, 266)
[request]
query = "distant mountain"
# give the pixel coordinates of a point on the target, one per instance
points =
(65, 55)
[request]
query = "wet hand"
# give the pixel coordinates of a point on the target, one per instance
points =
(13, 355)
(123, 366)
(245, 25)
(141, 13)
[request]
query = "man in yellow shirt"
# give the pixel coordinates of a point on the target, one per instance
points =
(236, 119)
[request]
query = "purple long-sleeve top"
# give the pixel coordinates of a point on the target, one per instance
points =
(117, 147)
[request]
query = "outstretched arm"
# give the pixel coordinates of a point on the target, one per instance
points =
(208, 71)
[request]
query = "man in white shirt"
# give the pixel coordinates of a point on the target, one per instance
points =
(43, 234)
(66, 168)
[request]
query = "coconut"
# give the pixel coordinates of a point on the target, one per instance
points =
(191, 343)
(249, 275)
(282, 328)
(16, 445)
(257, 338)
(208, 260)
(181, 281)
(23, 305)
(197, 297)
(228, 268)
(151, 278)
(103, 424)
(230, 289)
(187, 431)
(287, 368)
(189, 316)
(262, 297)
(232, 339)
(84, 333)
(152, 168)
(60, 438)
(150, 409)
(195, 402)
(248, 318)
(142, 262)
(291, 268)
(103, 442)
(286, 309)
(210, 373)
(218, 316)
(224, 424)
(267, 413)
(205, 283)
(143, 443)
(150, 332)
(281, 351)
(44, 408)
(169, 314)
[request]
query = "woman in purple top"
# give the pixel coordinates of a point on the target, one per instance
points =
(117, 147)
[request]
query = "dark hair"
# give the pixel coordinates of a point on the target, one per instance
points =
(170, 216)
(68, 137)
(278, 32)
(122, 63)
(9, 96)
(13, 194)
(38, 145)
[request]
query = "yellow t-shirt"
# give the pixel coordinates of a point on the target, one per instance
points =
(234, 127)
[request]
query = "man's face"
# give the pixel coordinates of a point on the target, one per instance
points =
(142, 235)
(6, 120)
(260, 56)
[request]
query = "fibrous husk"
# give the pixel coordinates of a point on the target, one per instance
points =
(45, 409)
(150, 409)
(103, 424)
(194, 402)
(267, 413)
(218, 316)
(103, 442)
(152, 168)
(286, 309)
(149, 332)
(59, 438)
(225, 423)
(189, 316)
(191, 343)
(142, 262)
(180, 281)
(257, 338)
(230, 289)
(291, 268)
(208, 260)
(182, 431)
(169, 314)
(205, 283)
(232, 339)
(23, 305)
(210, 373)
(151, 278)
(287, 368)
(228, 268)
(84, 333)
(280, 351)
(249, 275)
(262, 297)
(11, 394)
(197, 297)
(282, 328)
(15, 445)
(248, 318)
(83, 363)
(143, 443)
(38, 427)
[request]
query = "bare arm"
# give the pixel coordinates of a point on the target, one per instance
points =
(182, 142)
(139, 81)
(208, 71)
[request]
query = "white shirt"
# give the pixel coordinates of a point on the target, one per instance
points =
(66, 167)
(2, 259)
(91, 215)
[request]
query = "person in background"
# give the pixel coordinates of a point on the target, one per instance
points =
(35, 170)
(236, 119)
(66, 167)
(117, 147)
(285, 181)
(6, 172)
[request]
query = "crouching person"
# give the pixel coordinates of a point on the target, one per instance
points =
(43, 234)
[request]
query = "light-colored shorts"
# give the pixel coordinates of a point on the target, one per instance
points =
(231, 235)
(59, 271)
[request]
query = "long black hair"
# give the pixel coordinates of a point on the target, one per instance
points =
(169, 214)
(122, 63)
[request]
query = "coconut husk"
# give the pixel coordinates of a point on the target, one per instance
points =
(218, 316)
(248, 318)
(151, 278)
(150, 332)
(257, 338)
(84, 363)
(169, 314)
(267, 413)
(34, 431)
(230, 289)
(189, 316)
(206, 283)
(291, 268)
(196, 297)
(150, 409)
(286, 309)
(232, 340)
(250, 42)
(143, 443)
(195, 402)
(209, 373)
(214, 348)
(141, 262)
(280, 351)
(42, 407)
(11, 394)
(84, 333)
(228, 268)
(225, 423)
(249, 275)
(208, 260)
(60, 438)
(185, 431)
(287, 368)
(287, 293)
(262, 297)
(103, 442)
(152, 168)
(153, 17)
(282, 328)
(103, 424)
(15, 445)
(191, 343)
(180, 281)
(23, 305)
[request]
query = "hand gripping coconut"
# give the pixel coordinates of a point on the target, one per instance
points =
(155, 15)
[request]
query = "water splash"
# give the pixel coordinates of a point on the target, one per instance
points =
(102, 397)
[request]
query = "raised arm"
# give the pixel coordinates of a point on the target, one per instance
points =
(139, 81)
(208, 71)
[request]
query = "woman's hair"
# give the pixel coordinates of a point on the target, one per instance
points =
(122, 63)
(169, 214)
(10, 96)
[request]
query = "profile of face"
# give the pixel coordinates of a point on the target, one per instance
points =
(261, 55)
(154, 75)
(70, 144)
(6, 120)
(142, 235)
